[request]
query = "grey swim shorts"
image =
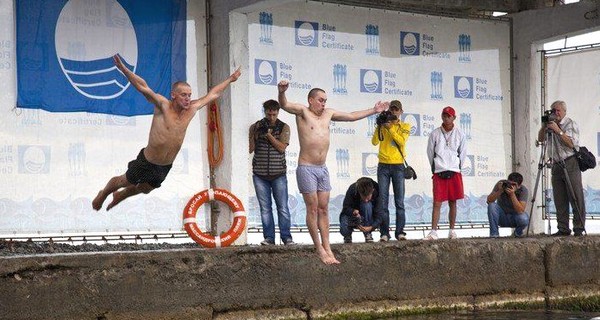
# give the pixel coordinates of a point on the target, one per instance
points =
(312, 178)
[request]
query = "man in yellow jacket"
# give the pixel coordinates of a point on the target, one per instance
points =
(391, 134)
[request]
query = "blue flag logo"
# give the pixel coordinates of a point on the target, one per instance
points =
(64, 55)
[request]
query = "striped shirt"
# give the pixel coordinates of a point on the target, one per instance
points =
(268, 163)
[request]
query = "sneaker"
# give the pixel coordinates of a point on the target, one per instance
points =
(368, 237)
(431, 236)
(289, 242)
(578, 233)
(452, 234)
(267, 242)
(347, 240)
(401, 236)
(384, 238)
(561, 233)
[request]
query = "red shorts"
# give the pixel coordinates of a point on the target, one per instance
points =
(448, 189)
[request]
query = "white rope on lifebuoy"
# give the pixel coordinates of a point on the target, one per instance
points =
(206, 240)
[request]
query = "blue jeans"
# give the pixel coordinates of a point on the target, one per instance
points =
(395, 174)
(366, 212)
(499, 218)
(264, 189)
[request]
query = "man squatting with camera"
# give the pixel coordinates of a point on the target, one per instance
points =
(391, 135)
(564, 134)
(506, 205)
(446, 151)
(360, 209)
(268, 139)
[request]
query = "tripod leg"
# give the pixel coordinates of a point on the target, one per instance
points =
(537, 183)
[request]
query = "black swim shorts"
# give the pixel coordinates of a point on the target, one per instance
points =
(142, 171)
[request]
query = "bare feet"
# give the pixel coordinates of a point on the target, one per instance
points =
(118, 196)
(99, 200)
(325, 257)
(332, 256)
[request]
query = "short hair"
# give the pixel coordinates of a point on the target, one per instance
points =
(515, 177)
(396, 104)
(364, 187)
(179, 83)
(270, 105)
(557, 103)
(313, 92)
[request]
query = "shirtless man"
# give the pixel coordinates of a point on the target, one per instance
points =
(169, 124)
(311, 174)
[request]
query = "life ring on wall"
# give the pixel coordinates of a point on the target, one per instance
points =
(207, 240)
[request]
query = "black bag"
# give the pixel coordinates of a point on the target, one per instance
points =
(446, 174)
(409, 173)
(585, 159)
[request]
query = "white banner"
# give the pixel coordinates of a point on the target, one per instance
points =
(359, 56)
(575, 79)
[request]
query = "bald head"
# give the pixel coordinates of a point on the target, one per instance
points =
(178, 85)
(314, 91)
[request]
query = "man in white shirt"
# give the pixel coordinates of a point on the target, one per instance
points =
(564, 134)
(446, 151)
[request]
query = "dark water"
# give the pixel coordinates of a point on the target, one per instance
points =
(506, 315)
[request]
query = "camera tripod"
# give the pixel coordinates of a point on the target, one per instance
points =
(552, 139)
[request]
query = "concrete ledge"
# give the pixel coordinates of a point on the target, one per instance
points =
(291, 283)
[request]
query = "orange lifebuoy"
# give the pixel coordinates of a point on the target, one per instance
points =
(207, 240)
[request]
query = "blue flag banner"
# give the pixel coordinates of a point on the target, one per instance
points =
(65, 49)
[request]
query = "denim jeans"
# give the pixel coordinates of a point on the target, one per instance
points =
(499, 218)
(366, 212)
(278, 188)
(395, 174)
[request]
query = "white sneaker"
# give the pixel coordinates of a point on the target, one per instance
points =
(431, 236)
(452, 234)
(384, 239)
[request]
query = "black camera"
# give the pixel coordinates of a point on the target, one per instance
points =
(263, 127)
(507, 184)
(354, 221)
(385, 117)
(549, 116)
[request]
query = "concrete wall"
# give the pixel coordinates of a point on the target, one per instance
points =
(291, 283)
(530, 30)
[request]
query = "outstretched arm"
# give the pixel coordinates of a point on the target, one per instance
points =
(357, 115)
(214, 93)
(291, 107)
(138, 82)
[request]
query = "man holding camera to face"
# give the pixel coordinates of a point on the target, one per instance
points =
(391, 135)
(269, 137)
(506, 205)
(564, 136)
(360, 209)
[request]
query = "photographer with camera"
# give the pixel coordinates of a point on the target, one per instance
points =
(391, 135)
(446, 151)
(506, 205)
(360, 209)
(269, 137)
(563, 135)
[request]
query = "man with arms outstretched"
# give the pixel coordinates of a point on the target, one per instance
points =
(169, 124)
(311, 174)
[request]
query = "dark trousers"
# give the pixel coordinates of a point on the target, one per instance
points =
(562, 196)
